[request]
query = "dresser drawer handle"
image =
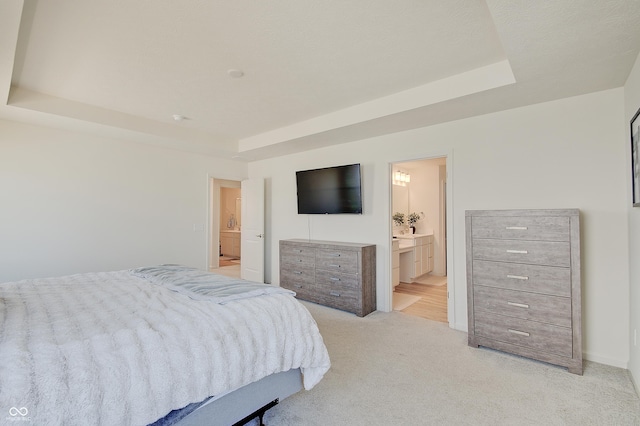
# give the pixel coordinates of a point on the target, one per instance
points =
(518, 251)
(519, 333)
(519, 305)
(297, 285)
(334, 279)
(334, 265)
(335, 255)
(297, 272)
(336, 294)
(518, 277)
(517, 228)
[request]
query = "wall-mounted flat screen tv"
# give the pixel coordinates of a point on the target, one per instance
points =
(331, 190)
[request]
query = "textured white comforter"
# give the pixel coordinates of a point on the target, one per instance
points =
(112, 349)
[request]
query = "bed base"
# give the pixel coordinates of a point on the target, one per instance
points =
(256, 398)
(258, 413)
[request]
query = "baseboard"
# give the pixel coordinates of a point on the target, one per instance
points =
(635, 384)
(460, 327)
(605, 360)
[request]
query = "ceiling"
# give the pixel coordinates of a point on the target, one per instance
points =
(314, 73)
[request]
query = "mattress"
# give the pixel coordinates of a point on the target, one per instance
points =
(122, 348)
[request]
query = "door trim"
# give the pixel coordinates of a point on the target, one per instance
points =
(214, 183)
(448, 155)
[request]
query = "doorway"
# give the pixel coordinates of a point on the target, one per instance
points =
(420, 286)
(225, 226)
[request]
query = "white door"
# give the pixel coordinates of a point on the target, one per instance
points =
(252, 230)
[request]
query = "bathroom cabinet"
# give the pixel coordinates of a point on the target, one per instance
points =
(230, 243)
(336, 274)
(395, 262)
(416, 256)
(524, 285)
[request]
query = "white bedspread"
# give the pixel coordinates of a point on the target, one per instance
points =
(111, 349)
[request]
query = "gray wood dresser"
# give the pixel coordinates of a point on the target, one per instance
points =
(335, 274)
(523, 283)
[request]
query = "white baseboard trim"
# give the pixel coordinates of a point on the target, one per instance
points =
(634, 383)
(606, 360)
(460, 327)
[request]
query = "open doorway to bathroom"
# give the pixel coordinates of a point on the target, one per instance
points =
(419, 255)
(226, 223)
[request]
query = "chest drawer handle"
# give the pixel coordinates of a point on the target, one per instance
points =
(518, 277)
(297, 285)
(335, 255)
(334, 279)
(517, 228)
(334, 265)
(519, 333)
(518, 251)
(297, 272)
(334, 293)
(519, 305)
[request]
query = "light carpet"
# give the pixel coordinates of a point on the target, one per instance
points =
(402, 301)
(396, 369)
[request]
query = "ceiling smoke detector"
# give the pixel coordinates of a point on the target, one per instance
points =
(234, 73)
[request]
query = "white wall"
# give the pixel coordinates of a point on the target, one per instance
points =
(563, 154)
(632, 103)
(73, 203)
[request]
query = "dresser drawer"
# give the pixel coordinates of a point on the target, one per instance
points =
(552, 280)
(338, 296)
(337, 260)
(336, 279)
(542, 337)
(530, 306)
(548, 253)
(538, 228)
(297, 253)
(297, 274)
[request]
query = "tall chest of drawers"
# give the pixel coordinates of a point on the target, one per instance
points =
(523, 283)
(339, 275)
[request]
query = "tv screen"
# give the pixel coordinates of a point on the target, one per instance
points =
(330, 190)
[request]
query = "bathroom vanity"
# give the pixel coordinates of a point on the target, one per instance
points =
(416, 255)
(230, 243)
(395, 262)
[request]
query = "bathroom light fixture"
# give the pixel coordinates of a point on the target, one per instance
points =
(401, 178)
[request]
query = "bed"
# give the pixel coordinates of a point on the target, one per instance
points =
(165, 344)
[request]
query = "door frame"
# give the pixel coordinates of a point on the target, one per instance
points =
(214, 183)
(451, 293)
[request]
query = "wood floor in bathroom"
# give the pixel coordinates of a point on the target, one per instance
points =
(433, 300)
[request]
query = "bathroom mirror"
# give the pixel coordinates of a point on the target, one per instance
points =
(239, 211)
(230, 209)
(400, 202)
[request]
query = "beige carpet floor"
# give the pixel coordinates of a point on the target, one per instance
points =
(396, 369)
